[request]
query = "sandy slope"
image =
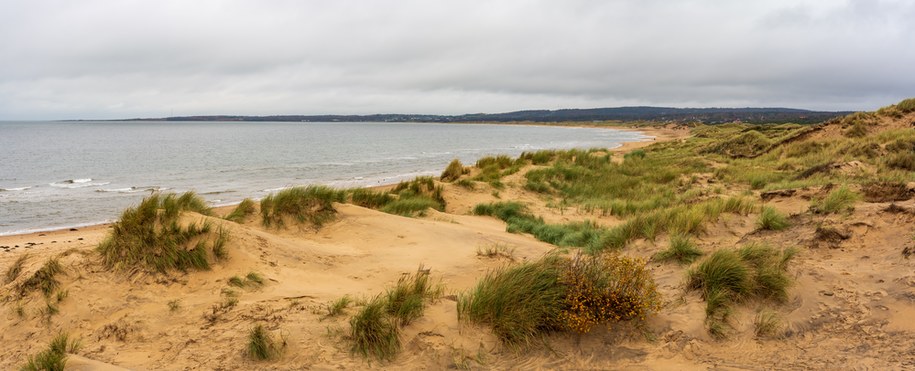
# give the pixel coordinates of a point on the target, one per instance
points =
(851, 306)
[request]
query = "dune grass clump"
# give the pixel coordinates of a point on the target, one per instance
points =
(454, 171)
(748, 144)
(902, 161)
(906, 105)
(336, 307)
(150, 237)
(370, 199)
(681, 250)
(12, 273)
(772, 220)
(261, 345)
(733, 276)
(406, 301)
(415, 197)
(243, 210)
(44, 279)
(312, 204)
(251, 280)
(838, 200)
(375, 329)
(521, 303)
(374, 333)
(55, 357)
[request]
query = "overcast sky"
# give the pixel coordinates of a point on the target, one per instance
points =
(121, 58)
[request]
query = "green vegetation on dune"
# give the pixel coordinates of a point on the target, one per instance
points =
(559, 294)
(312, 204)
(55, 357)
(151, 237)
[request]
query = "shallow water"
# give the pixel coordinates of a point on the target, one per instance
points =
(63, 174)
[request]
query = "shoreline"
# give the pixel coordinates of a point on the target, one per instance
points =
(13, 238)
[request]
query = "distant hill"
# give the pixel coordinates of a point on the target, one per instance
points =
(706, 115)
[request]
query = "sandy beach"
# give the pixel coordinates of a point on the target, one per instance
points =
(849, 308)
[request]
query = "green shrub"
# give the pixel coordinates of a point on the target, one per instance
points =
(312, 204)
(261, 345)
(454, 171)
(150, 237)
(243, 210)
(771, 219)
(681, 250)
(55, 357)
(838, 200)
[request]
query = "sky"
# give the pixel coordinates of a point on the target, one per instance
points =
(105, 59)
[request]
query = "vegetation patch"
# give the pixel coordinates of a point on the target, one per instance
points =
(681, 250)
(244, 209)
(150, 237)
(454, 171)
(262, 345)
(312, 204)
(733, 276)
(12, 273)
(55, 357)
(772, 220)
(375, 329)
(44, 279)
(521, 303)
(841, 199)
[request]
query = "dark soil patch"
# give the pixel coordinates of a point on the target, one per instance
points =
(886, 192)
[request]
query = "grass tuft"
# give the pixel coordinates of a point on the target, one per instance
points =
(373, 332)
(44, 279)
(12, 273)
(523, 302)
(838, 200)
(681, 250)
(312, 204)
(732, 276)
(336, 307)
(454, 171)
(55, 357)
(772, 220)
(244, 209)
(261, 345)
(406, 300)
(150, 237)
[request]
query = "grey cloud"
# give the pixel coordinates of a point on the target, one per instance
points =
(108, 59)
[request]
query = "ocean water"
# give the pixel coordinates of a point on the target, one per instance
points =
(69, 174)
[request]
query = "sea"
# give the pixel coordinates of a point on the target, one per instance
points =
(71, 174)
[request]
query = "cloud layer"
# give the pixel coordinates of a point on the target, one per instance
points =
(126, 58)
